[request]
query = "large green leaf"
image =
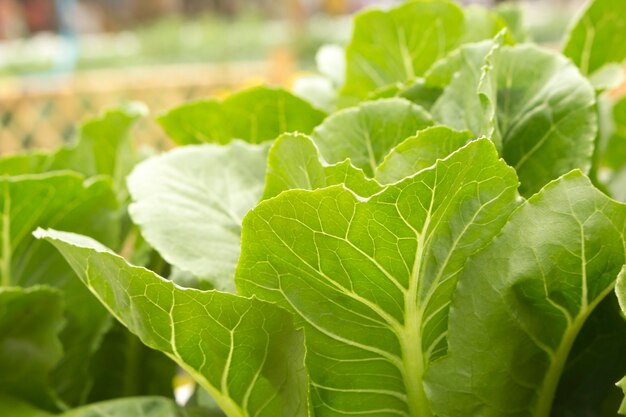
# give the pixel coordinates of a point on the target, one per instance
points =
(522, 301)
(371, 279)
(103, 148)
(366, 133)
(420, 152)
(399, 44)
(189, 204)
(68, 201)
(254, 115)
(244, 352)
(294, 163)
(30, 322)
(543, 107)
(598, 37)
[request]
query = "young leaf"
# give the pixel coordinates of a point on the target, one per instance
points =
(420, 152)
(254, 115)
(536, 101)
(399, 44)
(598, 37)
(63, 200)
(244, 352)
(294, 163)
(371, 279)
(481, 23)
(189, 204)
(366, 133)
(30, 322)
(467, 101)
(521, 302)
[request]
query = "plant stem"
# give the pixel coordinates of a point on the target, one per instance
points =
(5, 265)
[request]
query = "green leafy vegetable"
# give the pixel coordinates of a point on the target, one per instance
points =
(371, 279)
(189, 204)
(365, 134)
(432, 248)
(597, 38)
(70, 202)
(135, 407)
(420, 152)
(30, 322)
(557, 258)
(294, 163)
(536, 101)
(254, 115)
(103, 148)
(244, 352)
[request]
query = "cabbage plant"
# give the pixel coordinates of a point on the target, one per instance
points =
(432, 226)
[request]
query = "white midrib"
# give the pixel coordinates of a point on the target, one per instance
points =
(221, 397)
(412, 356)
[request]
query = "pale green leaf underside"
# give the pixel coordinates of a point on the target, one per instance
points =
(598, 36)
(536, 101)
(189, 204)
(30, 322)
(295, 163)
(68, 201)
(254, 115)
(366, 133)
(555, 260)
(129, 407)
(371, 279)
(420, 152)
(399, 44)
(244, 352)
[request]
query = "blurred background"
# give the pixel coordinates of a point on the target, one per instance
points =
(62, 61)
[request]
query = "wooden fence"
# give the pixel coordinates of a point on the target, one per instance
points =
(48, 115)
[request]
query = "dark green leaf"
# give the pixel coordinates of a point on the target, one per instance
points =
(30, 323)
(68, 201)
(521, 302)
